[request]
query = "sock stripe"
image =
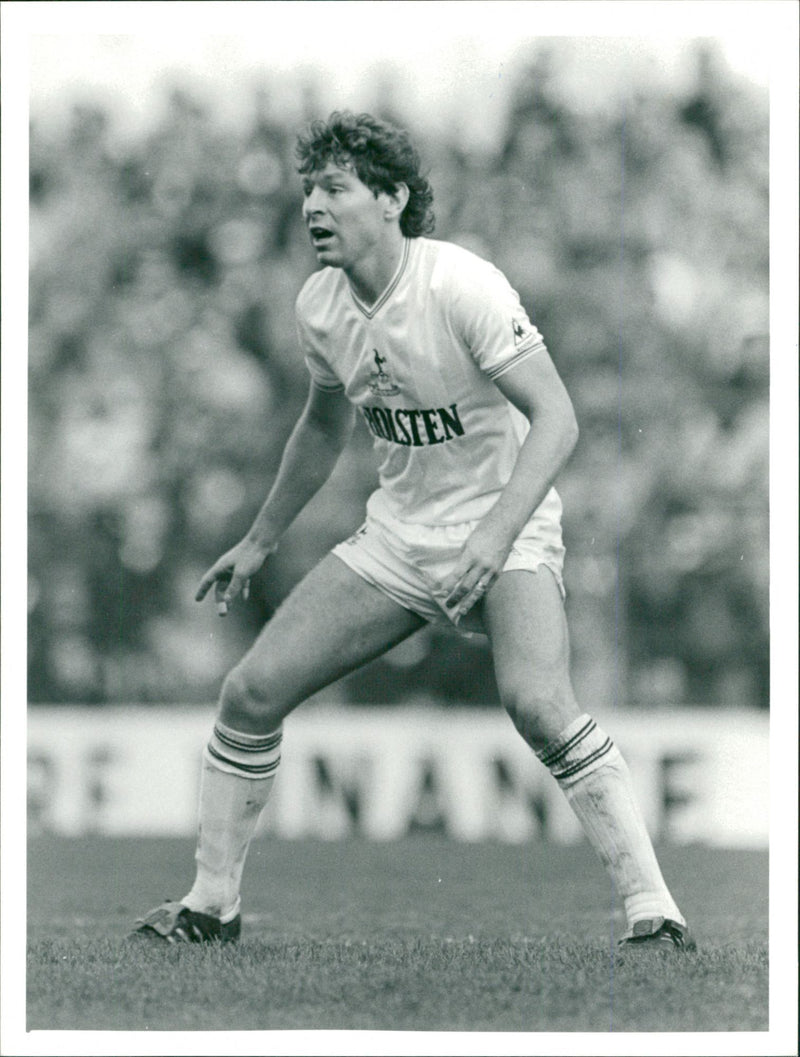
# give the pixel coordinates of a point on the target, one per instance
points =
(235, 741)
(264, 769)
(587, 761)
(554, 755)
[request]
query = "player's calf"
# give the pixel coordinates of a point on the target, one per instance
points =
(541, 710)
(595, 779)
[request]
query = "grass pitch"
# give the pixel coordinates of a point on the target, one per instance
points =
(422, 934)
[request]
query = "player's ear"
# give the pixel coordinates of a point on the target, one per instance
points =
(396, 202)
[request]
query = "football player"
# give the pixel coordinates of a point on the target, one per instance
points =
(471, 423)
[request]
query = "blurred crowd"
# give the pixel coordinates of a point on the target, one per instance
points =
(164, 379)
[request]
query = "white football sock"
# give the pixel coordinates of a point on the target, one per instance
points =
(595, 778)
(238, 771)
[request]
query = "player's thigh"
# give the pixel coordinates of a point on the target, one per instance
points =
(331, 623)
(525, 619)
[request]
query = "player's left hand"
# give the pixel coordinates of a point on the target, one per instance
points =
(480, 563)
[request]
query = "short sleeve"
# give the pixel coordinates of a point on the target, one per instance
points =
(322, 374)
(490, 318)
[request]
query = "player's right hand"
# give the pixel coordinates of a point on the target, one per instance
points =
(230, 574)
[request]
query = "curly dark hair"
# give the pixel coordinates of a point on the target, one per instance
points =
(382, 156)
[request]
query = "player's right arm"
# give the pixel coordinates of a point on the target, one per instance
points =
(309, 457)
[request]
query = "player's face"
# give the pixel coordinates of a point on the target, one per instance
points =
(345, 220)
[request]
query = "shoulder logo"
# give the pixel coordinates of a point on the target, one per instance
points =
(380, 382)
(522, 330)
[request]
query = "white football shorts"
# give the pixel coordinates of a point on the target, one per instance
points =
(408, 562)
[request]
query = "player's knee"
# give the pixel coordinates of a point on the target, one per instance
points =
(540, 708)
(246, 703)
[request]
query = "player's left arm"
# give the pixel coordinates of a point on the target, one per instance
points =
(535, 388)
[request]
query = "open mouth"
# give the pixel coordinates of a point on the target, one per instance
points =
(320, 235)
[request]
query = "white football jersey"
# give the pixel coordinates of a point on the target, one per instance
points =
(419, 364)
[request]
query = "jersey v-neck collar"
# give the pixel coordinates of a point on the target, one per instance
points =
(390, 289)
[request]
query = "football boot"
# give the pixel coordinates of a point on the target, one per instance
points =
(658, 932)
(175, 923)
